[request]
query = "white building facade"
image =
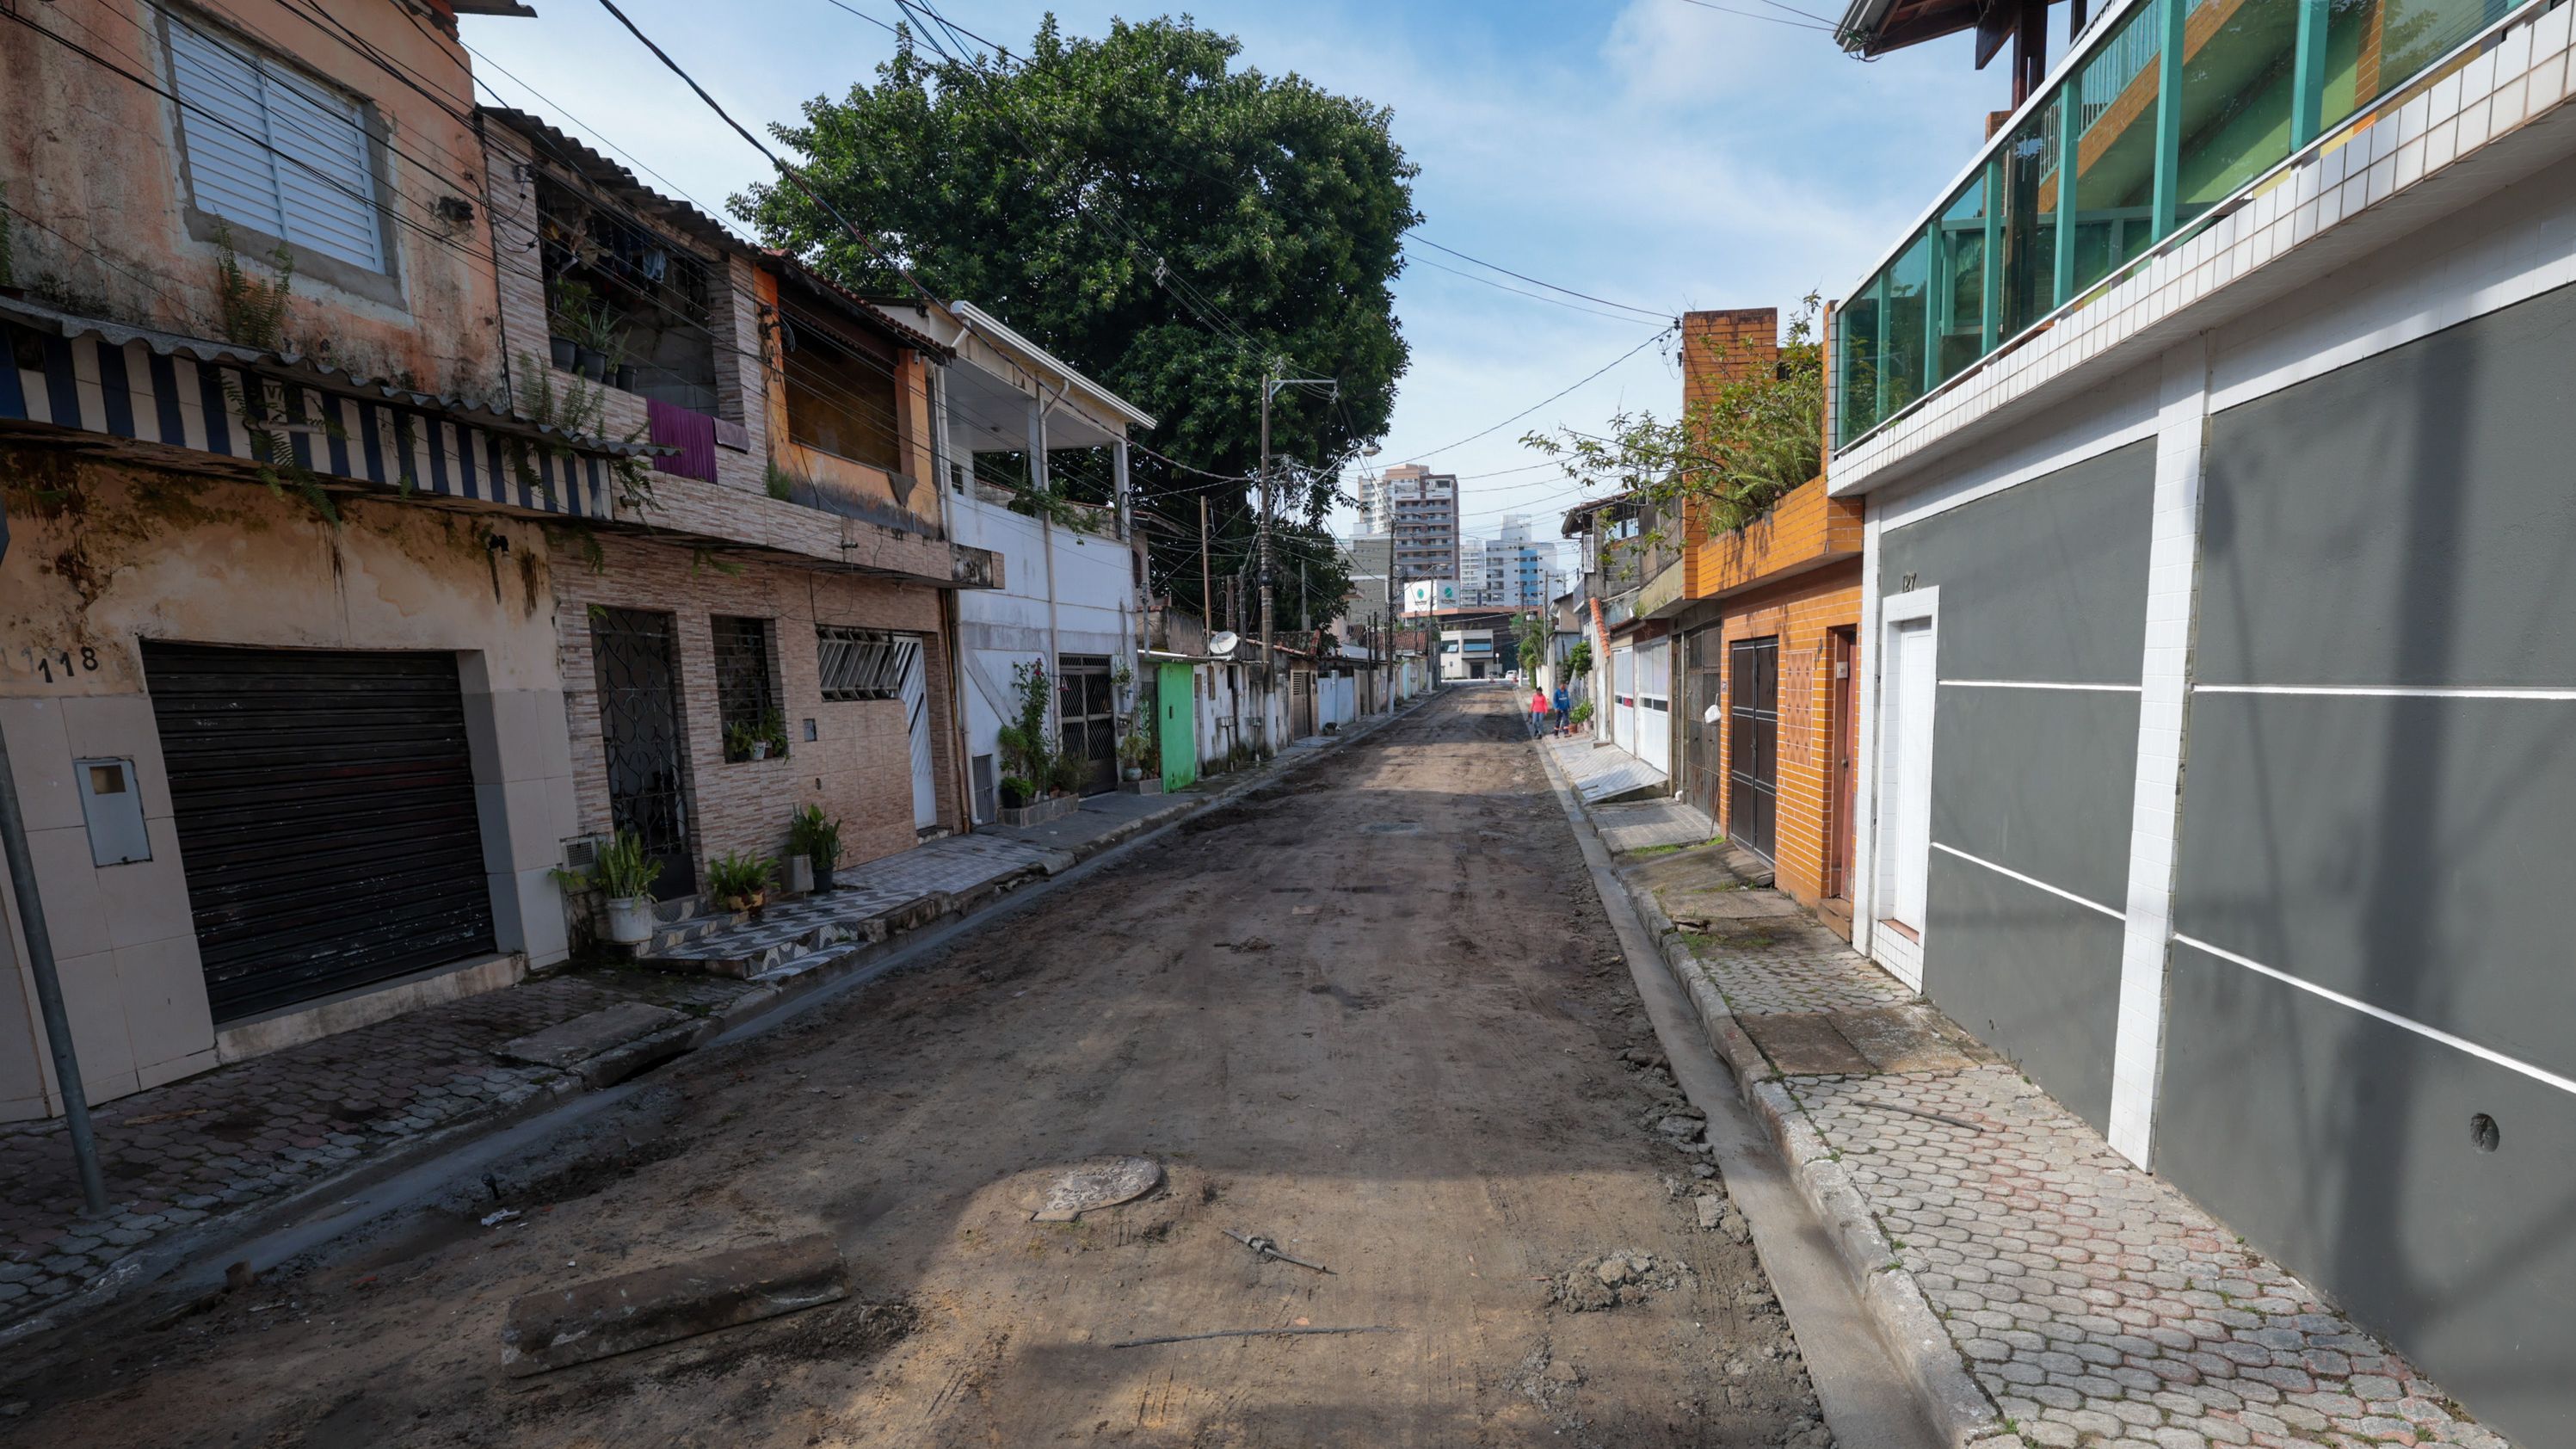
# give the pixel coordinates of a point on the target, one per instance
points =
(1071, 595)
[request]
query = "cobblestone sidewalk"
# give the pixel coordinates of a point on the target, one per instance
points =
(230, 1138)
(2092, 1303)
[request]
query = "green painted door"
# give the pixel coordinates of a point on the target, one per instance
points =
(1176, 695)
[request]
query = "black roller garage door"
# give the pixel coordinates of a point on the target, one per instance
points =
(325, 804)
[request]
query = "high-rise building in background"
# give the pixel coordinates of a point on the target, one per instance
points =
(1418, 510)
(1517, 572)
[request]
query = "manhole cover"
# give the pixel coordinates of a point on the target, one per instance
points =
(1106, 1183)
(1394, 827)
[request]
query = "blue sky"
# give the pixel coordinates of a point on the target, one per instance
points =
(1655, 152)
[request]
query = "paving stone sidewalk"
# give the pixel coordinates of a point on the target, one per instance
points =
(1600, 772)
(2093, 1303)
(240, 1135)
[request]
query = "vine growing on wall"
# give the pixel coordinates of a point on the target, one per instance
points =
(1028, 748)
(579, 410)
(251, 310)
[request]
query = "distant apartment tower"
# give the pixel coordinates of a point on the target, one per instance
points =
(1418, 509)
(1517, 572)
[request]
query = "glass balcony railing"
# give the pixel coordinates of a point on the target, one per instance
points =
(2170, 108)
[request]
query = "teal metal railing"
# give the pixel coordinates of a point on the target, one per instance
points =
(2173, 108)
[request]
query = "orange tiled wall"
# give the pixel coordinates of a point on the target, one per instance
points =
(1803, 526)
(1801, 612)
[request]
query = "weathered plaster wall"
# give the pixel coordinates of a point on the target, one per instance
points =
(92, 162)
(104, 556)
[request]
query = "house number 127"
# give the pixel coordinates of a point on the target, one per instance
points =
(45, 663)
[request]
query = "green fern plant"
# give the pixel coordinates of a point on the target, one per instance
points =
(250, 310)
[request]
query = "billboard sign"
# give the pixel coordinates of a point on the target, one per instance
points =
(1421, 596)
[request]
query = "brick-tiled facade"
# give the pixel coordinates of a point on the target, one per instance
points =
(859, 767)
(1803, 614)
(1794, 575)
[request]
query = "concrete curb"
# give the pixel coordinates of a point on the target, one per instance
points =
(225, 1235)
(1933, 1364)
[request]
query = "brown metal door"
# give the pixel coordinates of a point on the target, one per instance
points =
(1842, 647)
(1703, 688)
(1753, 744)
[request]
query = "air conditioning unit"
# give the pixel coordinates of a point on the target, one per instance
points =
(581, 853)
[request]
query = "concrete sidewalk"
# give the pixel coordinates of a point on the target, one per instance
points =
(208, 1160)
(2051, 1292)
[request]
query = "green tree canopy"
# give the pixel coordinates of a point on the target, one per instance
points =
(1161, 219)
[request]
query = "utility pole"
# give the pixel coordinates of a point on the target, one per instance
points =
(1271, 382)
(1207, 583)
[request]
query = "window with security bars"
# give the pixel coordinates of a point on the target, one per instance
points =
(863, 663)
(274, 152)
(748, 697)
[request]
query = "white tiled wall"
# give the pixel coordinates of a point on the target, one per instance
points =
(124, 944)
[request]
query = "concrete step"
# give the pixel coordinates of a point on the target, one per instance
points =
(752, 947)
(670, 938)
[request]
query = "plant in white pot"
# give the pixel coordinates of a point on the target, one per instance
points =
(624, 875)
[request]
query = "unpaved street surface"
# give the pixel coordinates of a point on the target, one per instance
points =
(1371, 1012)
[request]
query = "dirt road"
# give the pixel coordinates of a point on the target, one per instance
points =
(1370, 1011)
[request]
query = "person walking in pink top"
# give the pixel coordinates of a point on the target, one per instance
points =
(1538, 711)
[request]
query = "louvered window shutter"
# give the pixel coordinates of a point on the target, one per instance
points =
(275, 152)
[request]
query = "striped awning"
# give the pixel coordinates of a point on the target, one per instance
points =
(210, 397)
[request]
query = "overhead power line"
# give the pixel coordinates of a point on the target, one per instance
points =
(1812, 21)
(1649, 313)
(1552, 397)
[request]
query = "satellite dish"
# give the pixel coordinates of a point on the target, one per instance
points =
(1222, 642)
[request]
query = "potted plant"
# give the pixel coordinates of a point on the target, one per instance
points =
(738, 882)
(817, 837)
(1016, 793)
(1580, 716)
(568, 302)
(1068, 774)
(773, 733)
(598, 342)
(742, 742)
(624, 875)
(1136, 759)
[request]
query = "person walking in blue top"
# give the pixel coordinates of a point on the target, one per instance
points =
(1564, 708)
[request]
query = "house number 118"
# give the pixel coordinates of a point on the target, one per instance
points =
(46, 663)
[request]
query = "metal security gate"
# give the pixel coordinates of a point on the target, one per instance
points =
(325, 810)
(639, 726)
(1086, 718)
(1703, 722)
(1753, 744)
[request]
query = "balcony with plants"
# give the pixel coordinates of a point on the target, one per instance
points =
(2166, 111)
